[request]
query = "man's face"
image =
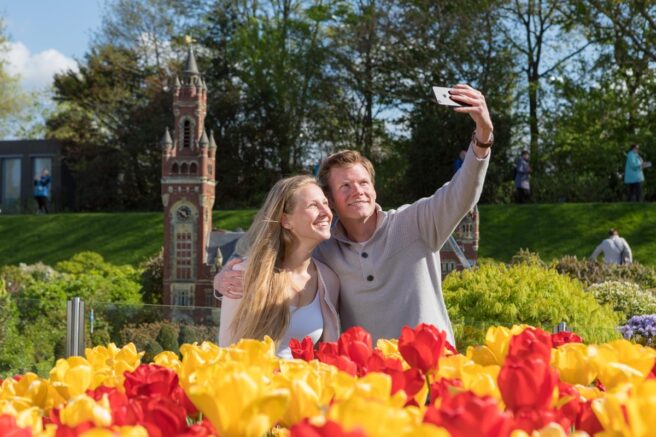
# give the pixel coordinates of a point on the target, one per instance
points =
(352, 193)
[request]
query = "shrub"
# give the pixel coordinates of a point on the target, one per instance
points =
(594, 272)
(525, 256)
(168, 338)
(144, 333)
(152, 281)
(626, 298)
(495, 294)
(151, 349)
(198, 334)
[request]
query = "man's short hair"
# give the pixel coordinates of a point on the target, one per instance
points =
(524, 152)
(344, 158)
(613, 231)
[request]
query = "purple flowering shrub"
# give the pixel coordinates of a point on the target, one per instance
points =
(641, 329)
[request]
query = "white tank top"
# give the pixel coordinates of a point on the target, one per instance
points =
(304, 321)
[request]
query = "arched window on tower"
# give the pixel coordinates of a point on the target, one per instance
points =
(186, 134)
(183, 168)
(174, 168)
(193, 168)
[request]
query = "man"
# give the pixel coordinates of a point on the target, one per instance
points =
(522, 182)
(615, 249)
(388, 262)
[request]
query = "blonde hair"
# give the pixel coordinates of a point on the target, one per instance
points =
(345, 158)
(264, 309)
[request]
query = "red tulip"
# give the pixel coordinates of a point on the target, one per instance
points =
(151, 380)
(565, 337)
(527, 383)
(162, 416)
(328, 353)
(202, 429)
(328, 429)
(9, 428)
(422, 347)
(530, 419)
(587, 420)
(445, 388)
(67, 431)
(355, 343)
(466, 414)
(125, 412)
(532, 341)
(303, 350)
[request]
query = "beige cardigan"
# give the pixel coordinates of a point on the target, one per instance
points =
(328, 293)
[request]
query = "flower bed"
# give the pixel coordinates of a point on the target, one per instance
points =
(522, 381)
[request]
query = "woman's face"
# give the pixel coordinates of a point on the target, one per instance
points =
(311, 217)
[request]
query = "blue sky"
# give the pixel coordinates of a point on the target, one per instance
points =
(46, 36)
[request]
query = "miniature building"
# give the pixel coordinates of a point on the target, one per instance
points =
(466, 238)
(188, 187)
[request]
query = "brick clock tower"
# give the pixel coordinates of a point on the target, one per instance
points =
(188, 186)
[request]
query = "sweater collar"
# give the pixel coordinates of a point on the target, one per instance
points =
(339, 233)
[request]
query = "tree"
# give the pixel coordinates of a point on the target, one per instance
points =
(536, 29)
(13, 100)
(110, 117)
(439, 43)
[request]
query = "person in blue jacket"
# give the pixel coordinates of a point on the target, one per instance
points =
(633, 176)
(42, 191)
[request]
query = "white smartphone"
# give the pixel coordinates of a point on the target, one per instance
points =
(444, 98)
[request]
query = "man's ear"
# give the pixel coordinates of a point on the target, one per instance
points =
(284, 222)
(331, 202)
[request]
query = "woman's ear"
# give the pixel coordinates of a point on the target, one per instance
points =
(284, 222)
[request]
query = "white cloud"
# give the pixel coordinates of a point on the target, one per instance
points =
(36, 70)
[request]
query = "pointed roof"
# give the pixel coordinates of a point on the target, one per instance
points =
(212, 142)
(204, 142)
(177, 82)
(166, 139)
(190, 65)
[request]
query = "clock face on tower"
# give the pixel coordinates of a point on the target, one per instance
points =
(183, 213)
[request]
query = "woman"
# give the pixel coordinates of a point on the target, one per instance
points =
(288, 294)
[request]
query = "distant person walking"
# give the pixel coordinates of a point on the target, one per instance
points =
(633, 175)
(522, 178)
(458, 162)
(42, 191)
(615, 249)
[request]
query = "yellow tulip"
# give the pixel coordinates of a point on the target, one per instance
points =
(497, 340)
(30, 418)
(451, 367)
(304, 385)
(110, 363)
(30, 390)
(622, 362)
(482, 355)
(82, 408)
(390, 348)
(482, 380)
(376, 418)
(551, 430)
(610, 414)
(641, 408)
(71, 376)
(239, 401)
(169, 360)
(589, 393)
(427, 430)
(119, 431)
(574, 364)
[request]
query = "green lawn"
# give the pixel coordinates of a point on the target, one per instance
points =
(129, 238)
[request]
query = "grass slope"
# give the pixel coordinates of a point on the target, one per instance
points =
(566, 229)
(129, 238)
